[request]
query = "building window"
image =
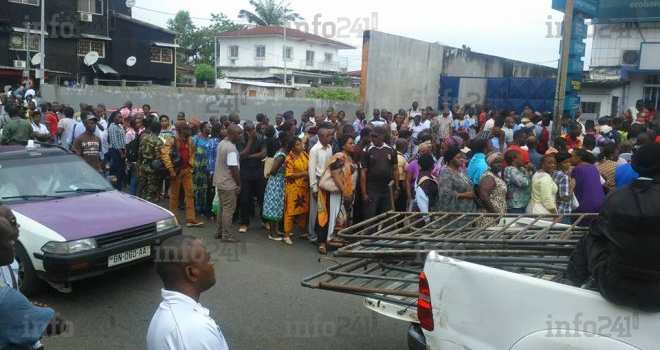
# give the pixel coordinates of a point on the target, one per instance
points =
(288, 53)
(18, 41)
(309, 59)
(652, 79)
(91, 6)
(233, 52)
(590, 108)
(328, 58)
(87, 46)
(261, 52)
(652, 96)
(27, 2)
(161, 55)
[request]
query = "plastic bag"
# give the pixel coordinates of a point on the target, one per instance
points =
(215, 204)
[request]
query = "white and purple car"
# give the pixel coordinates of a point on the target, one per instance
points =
(74, 225)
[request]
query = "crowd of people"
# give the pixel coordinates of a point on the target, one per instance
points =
(321, 172)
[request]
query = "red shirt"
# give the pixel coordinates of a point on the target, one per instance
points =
(657, 139)
(51, 119)
(523, 153)
(183, 151)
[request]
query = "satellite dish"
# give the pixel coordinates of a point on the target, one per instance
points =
(130, 3)
(131, 61)
(36, 59)
(91, 58)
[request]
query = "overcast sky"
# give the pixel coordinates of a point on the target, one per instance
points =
(515, 29)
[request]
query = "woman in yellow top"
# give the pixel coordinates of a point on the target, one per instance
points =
(544, 189)
(296, 190)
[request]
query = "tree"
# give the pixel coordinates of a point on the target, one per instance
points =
(466, 48)
(205, 73)
(269, 12)
(183, 24)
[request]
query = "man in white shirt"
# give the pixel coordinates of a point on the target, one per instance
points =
(418, 126)
(181, 322)
(414, 111)
(377, 120)
(319, 156)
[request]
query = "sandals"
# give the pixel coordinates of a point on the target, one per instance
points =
(336, 242)
(322, 250)
(274, 238)
(287, 241)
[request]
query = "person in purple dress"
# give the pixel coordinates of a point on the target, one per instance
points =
(586, 182)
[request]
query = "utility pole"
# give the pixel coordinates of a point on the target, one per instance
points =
(42, 45)
(563, 67)
(215, 60)
(286, 82)
(27, 51)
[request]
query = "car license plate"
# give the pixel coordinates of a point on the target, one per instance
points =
(128, 256)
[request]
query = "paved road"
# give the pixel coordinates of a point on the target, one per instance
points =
(257, 302)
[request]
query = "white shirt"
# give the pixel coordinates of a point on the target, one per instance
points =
(490, 123)
(40, 129)
(378, 122)
(318, 159)
(5, 274)
(180, 323)
(416, 129)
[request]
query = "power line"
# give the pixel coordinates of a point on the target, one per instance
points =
(191, 17)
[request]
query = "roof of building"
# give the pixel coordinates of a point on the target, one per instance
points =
(260, 84)
(290, 33)
(604, 83)
(143, 23)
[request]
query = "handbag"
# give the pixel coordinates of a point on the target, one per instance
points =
(574, 203)
(159, 166)
(326, 182)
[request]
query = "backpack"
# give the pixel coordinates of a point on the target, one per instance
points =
(132, 149)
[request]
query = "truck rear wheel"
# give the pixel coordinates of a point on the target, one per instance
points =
(29, 283)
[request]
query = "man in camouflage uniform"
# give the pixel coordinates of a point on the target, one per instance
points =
(148, 179)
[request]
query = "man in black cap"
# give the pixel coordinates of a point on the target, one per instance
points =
(621, 252)
(379, 169)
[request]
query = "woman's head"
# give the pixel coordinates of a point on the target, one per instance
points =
(346, 143)
(424, 148)
(295, 145)
(548, 163)
(479, 146)
(582, 155)
(453, 157)
(425, 161)
(563, 160)
(609, 152)
(494, 161)
(165, 122)
(513, 158)
(284, 137)
(216, 130)
(205, 128)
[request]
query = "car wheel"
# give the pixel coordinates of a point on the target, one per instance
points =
(29, 283)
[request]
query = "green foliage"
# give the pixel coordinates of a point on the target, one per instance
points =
(334, 94)
(269, 12)
(339, 80)
(204, 73)
(197, 43)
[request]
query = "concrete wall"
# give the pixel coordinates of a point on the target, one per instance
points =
(401, 70)
(199, 103)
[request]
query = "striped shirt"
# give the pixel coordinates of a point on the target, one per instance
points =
(116, 137)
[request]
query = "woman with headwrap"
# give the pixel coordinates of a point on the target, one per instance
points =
(455, 190)
(413, 169)
(492, 189)
(621, 251)
(544, 189)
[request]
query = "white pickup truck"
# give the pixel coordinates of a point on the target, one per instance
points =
(465, 286)
(463, 305)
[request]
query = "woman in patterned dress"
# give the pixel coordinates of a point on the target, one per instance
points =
(296, 190)
(200, 171)
(456, 193)
(492, 189)
(274, 196)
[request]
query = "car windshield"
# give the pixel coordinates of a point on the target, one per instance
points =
(43, 178)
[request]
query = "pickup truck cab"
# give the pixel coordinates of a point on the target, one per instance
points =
(464, 305)
(73, 224)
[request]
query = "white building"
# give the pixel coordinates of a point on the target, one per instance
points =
(625, 67)
(260, 54)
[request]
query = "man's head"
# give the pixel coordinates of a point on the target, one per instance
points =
(181, 116)
(90, 120)
(532, 142)
(365, 136)
(184, 265)
(646, 161)
(8, 235)
(519, 137)
(214, 120)
(401, 145)
(360, 114)
(378, 136)
(415, 105)
(234, 133)
(234, 119)
(326, 133)
(129, 105)
(146, 109)
(376, 113)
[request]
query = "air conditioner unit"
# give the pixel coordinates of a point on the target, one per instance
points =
(86, 17)
(630, 58)
(20, 64)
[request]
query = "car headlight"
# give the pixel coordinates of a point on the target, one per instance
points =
(69, 247)
(166, 224)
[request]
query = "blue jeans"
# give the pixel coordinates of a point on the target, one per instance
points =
(133, 180)
(117, 167)
(516, 210)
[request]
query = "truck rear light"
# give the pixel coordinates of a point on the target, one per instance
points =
(424, 313)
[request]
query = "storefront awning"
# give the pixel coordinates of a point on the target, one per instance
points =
(158, 43)
(97, 37)
(32, 31)
(107, 69)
